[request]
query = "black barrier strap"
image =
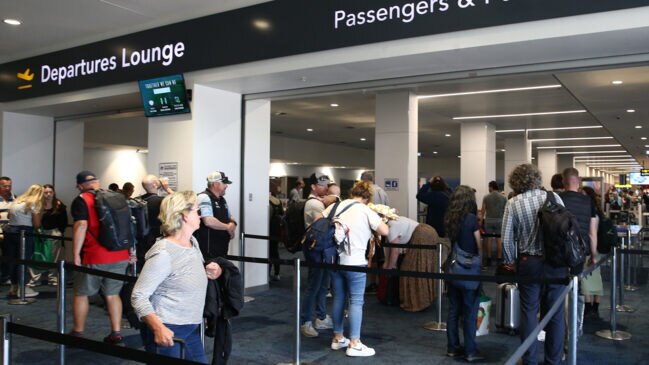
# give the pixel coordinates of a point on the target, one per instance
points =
(39, 235)
(94, 346)
(255, 236)
(105, 274)
(49, 265)
(423, 246)
(490, 235)
(415, 274)
(635, 252)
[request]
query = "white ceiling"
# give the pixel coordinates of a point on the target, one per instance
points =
(54, 25)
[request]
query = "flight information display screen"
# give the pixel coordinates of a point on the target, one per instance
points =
(164, 96)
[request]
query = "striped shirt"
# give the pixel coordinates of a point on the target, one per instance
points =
(172, 284)
(521, 225)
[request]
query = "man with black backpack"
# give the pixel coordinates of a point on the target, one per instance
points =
(217, 225)
(524, 251)
(151, 184)
(90, 252)
(317, 278)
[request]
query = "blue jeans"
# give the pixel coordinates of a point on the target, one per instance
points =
(315, 294)
(532, 295)
(466, 302)
(12, 249)
(348, 284)
(189, 332)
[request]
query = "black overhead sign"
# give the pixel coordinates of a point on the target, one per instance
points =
(270, 30)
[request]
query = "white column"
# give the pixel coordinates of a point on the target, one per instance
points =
(255, 189)
(478, 150)
(517, 151)
(395, 155)
(68, 159)
(170, 140)
(27, 146)
(548, 165)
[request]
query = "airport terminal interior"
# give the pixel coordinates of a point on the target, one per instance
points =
(562, 91)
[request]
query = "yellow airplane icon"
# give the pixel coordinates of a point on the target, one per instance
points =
(25, 75)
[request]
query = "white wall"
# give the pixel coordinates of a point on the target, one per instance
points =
(317, 153)
(116, 166)
(27, 149)
(69, 159)
(255, 193)
(217, 144)
(115, 130)
(170, 140)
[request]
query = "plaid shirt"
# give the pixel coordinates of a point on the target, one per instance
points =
(521, 225)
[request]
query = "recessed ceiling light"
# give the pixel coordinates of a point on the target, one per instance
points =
(643, 138)
(418, 154)
(586, 146)
(638, 127)
(459, 156)
(447, 135)
(261, 24)
(630, 110)
(309, 129)
(12, 21)
(334, 105)
(590, 152)
(519, 115)
(503, 150)
(567, 139)
(434, 152)
(363, 139)
(554, 86)
(617, 82)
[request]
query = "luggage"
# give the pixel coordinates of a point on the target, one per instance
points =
(508, 307)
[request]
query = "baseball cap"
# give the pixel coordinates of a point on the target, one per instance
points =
(215, 176)
(85, 176)
(322, 180)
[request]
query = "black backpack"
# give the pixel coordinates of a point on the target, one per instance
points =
(116, 224)
(319, 242)
(606, 235)
(140, 213)
(294, 225)
(562, 242)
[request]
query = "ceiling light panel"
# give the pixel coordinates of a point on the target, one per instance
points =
(585, 146)
(567, 139)
(492, 91)
(495, 116)
(590, 152)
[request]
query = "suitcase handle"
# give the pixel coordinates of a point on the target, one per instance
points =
(182, 344)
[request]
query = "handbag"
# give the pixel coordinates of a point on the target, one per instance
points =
(463, 263)
(42, 250)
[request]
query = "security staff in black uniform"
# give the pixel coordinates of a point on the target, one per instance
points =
(217, 226)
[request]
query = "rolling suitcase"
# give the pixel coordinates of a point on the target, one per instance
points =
(508, 307)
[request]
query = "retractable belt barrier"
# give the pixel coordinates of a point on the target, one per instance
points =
(94, 346)
(143, 356)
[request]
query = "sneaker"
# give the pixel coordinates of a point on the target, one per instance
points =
(455, 353)
(6, 282)
(359, 350)
(307, 330)
(329, 295)
(473, 358)
(337, 344)
(29, 292)
(275, 277)
(324, 324)
(114, 339)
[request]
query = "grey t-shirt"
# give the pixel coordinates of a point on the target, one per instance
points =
(312, 209)
(494, 204)
(172, 284)
(17, 215)
(401, 229)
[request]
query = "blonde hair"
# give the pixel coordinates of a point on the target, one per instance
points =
(172, 208)
(33, 199)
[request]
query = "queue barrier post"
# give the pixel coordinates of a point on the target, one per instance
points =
(60, 321)
(5, 339)
(613, 333)
(21, 300)
(296, 290)
(572, 340)
(625, 245)
(438, 325)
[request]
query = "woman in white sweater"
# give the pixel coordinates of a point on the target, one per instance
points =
(170, 293)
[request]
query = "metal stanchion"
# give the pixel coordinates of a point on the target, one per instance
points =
(439, 325)
(60, 321)
(625, 245)
(296, 290)
(21, 277)
(613, 333)
(572, 343)
(629, 266)
(5, 339)
(202, 330)
(242, 251)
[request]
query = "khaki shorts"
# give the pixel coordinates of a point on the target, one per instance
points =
(86, 285)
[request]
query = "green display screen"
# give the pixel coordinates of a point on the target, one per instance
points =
(164, 96)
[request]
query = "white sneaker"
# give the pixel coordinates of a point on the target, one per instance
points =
(359, 350)
(541, 336)
(337, 344)
(307, 330)
(324, 324)
(29, 292)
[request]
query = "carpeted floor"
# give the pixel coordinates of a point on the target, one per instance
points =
(263, 334)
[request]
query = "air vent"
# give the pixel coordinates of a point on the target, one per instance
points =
(277, 132)
(279, 114)
(350, 127)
